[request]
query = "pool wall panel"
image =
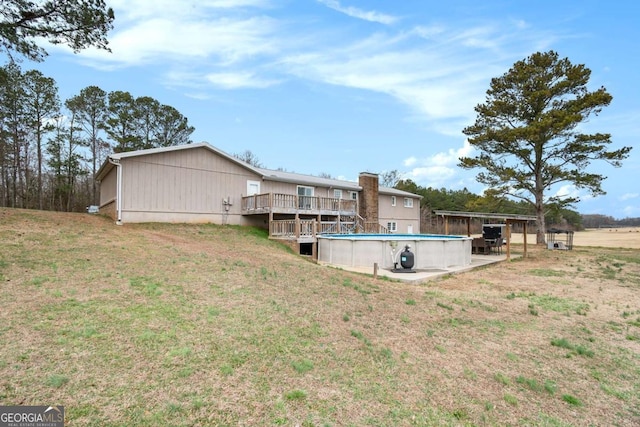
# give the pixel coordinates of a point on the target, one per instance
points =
(434, 252)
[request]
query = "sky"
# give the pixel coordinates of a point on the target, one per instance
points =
(341, 87)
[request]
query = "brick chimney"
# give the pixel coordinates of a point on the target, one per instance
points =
(368, 202)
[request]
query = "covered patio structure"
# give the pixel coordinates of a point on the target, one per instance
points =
(509, 219)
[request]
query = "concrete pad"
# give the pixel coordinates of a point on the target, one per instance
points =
(428, 274)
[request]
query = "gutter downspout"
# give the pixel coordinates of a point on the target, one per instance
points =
(118, 189)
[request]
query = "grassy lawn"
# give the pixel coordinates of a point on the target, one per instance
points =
(158, 324)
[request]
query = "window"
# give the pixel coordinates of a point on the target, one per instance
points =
(354, 195)
(337, 194)
(408, 203)
(393, 200)
(392, 226)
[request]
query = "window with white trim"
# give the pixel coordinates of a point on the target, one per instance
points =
(393, 200)
(392, 226)
(408, 202)
(305, 197)
(337, 194)
(354, 195)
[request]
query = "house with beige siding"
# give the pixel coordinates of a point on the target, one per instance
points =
(200, 183)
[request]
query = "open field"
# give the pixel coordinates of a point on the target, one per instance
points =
(605, 237)
(198, 325)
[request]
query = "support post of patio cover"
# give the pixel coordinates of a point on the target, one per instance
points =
(508, 233)
(524, 228)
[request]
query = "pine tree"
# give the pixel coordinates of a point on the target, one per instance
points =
(528, 138)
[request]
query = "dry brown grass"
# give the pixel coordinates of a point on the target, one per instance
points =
(157, 324)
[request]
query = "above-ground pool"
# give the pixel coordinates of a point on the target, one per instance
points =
(364, 250)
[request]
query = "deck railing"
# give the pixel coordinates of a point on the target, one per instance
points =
(374, 227)
(287, 203)
(290, 228)
(305, 229)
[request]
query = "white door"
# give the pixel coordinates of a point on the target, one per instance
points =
(410, 229)
(253, 187)
(305, 197)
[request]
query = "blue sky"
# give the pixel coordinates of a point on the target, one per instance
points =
(344, 86)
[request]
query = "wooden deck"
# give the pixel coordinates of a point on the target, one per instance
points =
(306, 231)
(339, 216)
(292, 204)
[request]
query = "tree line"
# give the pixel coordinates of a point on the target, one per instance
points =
(605, 221)
(51, 150)
(465, 201)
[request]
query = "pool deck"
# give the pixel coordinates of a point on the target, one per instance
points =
(426, 275)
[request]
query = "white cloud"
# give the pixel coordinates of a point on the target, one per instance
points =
(521, 24)
(432, 174)
(453, 155)
(570, 190)
(410, 161)
(631, 211)
(161, 40)
(440, 73)
(197, 95)
(354, 12)
(438, 169)
(194, 32)
(135, 10)
(239, 80)
(234, 3)
(567, 191)
(428, 32)
(484, 37)
(408, 76)
(629, 196)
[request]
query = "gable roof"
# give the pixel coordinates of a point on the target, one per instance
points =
(265, 174)
(296, 178)
(395, 192)
(107, 165)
